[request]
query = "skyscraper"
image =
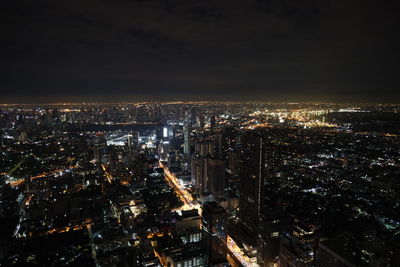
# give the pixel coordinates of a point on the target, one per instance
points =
(215, 175)
(212, 123)
(251, 173)
(214, 234)
(132, 143)
(100, 148)
(199, 173)
(187, 129)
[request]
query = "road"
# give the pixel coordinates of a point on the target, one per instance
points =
(238, 254)
(21, 181)
(107, 173)
(184, 195)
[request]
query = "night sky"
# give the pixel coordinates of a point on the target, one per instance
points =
(130, 50)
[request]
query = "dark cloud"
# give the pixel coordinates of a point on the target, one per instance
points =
(183, 49)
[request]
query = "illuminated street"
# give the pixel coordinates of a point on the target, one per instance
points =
(107, 173)
(238, 254)
(19, 182)
(184, 195)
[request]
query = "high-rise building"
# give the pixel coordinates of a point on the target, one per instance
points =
(200, 120)
(187, 129)
(208, 174)
(215, 175)
(333, 254)
(214, 234)
(250, 169)
(251, 173)
(262, 220)
(188, 255)
(258, 212)
(187, 226)
(208, 169)
(218, 145)
(298, 245)
(212, 123)
(198, 172)
(233, 162)
(132, 143)
(100, 149)
(270, 226)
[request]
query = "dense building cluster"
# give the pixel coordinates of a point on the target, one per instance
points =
(200, 184)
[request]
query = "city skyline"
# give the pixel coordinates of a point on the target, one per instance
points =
(199, 133)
